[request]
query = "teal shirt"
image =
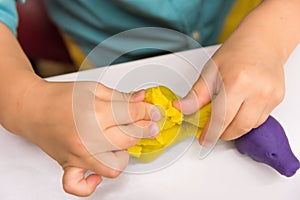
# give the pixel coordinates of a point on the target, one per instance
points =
(8, 14)
(89, 22)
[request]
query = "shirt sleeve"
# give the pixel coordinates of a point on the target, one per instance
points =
(9, 15)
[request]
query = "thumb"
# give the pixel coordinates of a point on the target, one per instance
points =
(74, 181)
(198, 97)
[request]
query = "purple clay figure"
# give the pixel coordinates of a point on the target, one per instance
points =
(268, 144)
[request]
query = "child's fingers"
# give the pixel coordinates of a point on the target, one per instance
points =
(109, 164)
(108, 94)
(224, 109)
(206, 86)
(126, 136)
(245, 119)
(88, 91)
(121, 113)
(196, 99)
(74, 181)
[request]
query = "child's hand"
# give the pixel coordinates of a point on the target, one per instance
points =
(85, 126)
(246, 79)
(246, 75)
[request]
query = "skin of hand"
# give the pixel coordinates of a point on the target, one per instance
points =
(78, 150)
(80, 136)
(245, 77)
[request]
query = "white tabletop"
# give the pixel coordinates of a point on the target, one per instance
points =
(28, 173)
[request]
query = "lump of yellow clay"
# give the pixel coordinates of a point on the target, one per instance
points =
(174, 126)
(163, 98)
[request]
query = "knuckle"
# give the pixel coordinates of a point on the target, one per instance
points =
(145, 110)
(138, 111)
(125, 96)
(266, 91)
(243, 78)
(120, 96)
(245, 127)
(237, 130)
(128, 140)
(68, 188)
(100, 107)
(134, 111)
(71, 190)
(279, 95)
(112, 173)
(260, 122)
(269, 91)
(131, 141)
(226, 136)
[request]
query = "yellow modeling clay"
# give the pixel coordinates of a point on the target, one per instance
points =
(174, 126)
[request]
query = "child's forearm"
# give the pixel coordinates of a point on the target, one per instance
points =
(273, 22)
(17, 78)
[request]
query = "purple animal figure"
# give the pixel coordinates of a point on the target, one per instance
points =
(268, 144)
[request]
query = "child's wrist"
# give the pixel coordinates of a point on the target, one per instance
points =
(257, 43)
(22, 105)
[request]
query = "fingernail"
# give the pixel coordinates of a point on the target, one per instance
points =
(154, 130)
(98, 181)
(155, 114)
(189, 104)
(204, 152)
(138, 94)
(177, 105)
(206, 149)
(205, 143)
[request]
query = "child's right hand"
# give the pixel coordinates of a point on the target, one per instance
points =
(83, 126)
